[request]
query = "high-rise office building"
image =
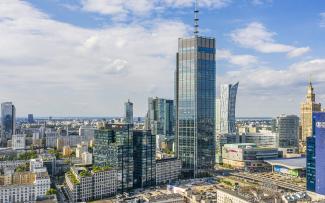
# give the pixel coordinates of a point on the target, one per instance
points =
(195, 98)
(128, 112)
(315, 155)
(30, 118)
(144, 156)
(160, 116)
(226, 123)
(306, 110)
(114, 147)
(288, 131)
(8, 121)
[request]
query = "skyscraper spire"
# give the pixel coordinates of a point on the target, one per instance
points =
(196, 18)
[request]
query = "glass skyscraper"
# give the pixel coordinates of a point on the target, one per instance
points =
(195, 94)
(160, 116)
(128, 112)
(226, 114)
(114, 147)
(8, 122)
(144, 157)
(315, 155)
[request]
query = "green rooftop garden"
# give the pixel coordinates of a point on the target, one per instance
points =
(85, 173)
(73, 178)
(97, 169)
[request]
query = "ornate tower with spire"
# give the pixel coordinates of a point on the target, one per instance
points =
(306, 110)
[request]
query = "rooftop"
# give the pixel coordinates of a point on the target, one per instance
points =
(294, 163)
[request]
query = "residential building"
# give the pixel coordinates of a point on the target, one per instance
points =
(227, 112)
(81, 148)
(168, 170)
(195, 96)
(86, 184)
(160, 117)
(247, 156)
(128, 108)
(8, 122)
(66, 151)
(144, 156)
(315, 155)
(24, 186)
(227, 196)
(114, 148)
(288, 130)
(18, 141)
(87, 158)
(306, 110)
(35, 164)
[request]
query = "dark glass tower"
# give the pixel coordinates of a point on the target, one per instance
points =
(160, 117)
(8, 122)
(114, 147)
(195, 94)
(315, 155)
(144, 157)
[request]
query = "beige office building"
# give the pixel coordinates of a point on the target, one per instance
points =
(306, 110)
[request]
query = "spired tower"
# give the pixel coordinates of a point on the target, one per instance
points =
(306, 110)
(195, 94)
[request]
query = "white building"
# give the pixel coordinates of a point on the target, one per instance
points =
(167, 170)
(42, 183)
(35, 164)
(17, 193)
(84, 184)
(18, 141)
(81, 148)
(87, 158)
(225, 196)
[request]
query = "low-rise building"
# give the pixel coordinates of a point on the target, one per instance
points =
(226, 196)
(87, 158)
(18, 141)
(85, 184)
(167, 170)
(247, 156)
(66, 151)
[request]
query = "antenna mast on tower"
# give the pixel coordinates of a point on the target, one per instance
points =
(196, 18)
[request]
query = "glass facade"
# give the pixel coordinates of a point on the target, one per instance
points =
(114, 147)
(288, 130)
(160, 117)
(195, 89)
(128, 112)
(315, 155)
(8, 122)
(310, 160)
(144, 159)
(227, 104)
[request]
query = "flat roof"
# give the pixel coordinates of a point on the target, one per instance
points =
(293, 163)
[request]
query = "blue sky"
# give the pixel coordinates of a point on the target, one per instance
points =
(86, 57)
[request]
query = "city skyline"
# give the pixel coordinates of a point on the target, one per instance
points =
(72, 70)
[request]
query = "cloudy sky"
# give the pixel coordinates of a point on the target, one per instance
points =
(87, 57)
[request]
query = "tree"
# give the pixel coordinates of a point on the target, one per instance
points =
(51, 191)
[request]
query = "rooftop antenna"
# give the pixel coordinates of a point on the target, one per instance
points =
(196, 18)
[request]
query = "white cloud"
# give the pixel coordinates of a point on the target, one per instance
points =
(46, 65)
(240, 60)
(298, 52)
(266, 91)
(202, 3)
(260, 2)
(322, 19)
(256, 36)
(123, 8)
